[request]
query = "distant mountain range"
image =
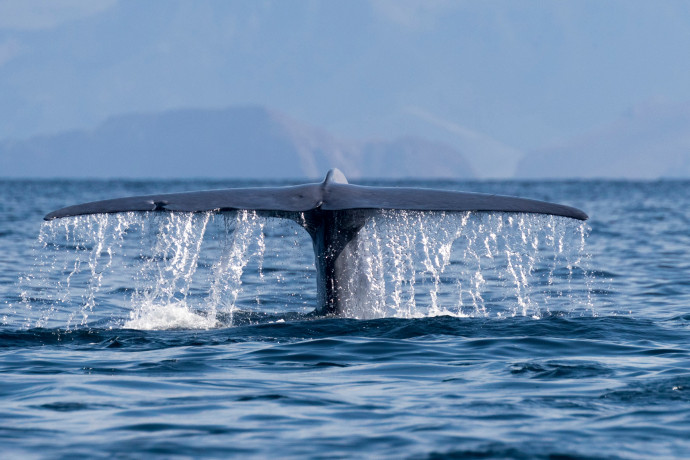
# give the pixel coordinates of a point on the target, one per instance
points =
(243, 142)
(649, 142)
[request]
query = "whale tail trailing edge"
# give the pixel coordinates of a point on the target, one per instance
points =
(332, 211)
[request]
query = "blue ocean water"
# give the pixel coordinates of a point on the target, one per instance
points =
(466, 336)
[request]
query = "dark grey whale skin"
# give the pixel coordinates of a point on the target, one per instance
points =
(332, 211)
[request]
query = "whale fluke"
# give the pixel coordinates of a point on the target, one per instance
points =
(332, 211)
(333, 194)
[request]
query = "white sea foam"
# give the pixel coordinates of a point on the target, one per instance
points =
(176, 315)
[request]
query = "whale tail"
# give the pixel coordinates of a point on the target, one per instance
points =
(332, 212)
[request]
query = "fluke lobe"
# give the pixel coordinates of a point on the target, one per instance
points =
(332, 211)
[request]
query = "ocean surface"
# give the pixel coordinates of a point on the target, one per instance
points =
(468, 335)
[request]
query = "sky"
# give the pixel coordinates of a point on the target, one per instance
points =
(519, 74)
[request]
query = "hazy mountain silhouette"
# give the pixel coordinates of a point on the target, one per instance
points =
(649, 142)
(234, 142)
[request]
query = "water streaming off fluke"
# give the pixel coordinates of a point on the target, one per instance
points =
(205, 270)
